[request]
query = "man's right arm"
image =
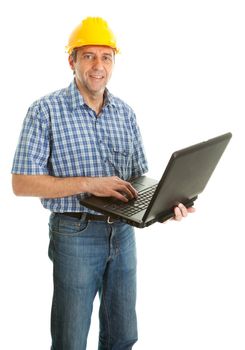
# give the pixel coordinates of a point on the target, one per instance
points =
(46, 186)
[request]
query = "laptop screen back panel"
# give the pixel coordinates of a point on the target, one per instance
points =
(186, 175)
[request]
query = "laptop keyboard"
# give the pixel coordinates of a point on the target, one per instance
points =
(135, 205)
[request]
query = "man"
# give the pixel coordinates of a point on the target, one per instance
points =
(80, 140)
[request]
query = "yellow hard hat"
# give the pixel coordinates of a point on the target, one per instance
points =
(92, 31)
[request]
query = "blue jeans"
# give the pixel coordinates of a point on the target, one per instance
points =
(90, 257)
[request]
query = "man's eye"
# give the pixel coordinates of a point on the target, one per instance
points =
(107, 58)
(88, 57)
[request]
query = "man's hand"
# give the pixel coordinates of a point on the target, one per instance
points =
(111, 186)
(181, 212)
(46, 186)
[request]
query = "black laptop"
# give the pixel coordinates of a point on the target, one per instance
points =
(184, 178)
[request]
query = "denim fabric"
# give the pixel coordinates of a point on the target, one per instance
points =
(90, 257)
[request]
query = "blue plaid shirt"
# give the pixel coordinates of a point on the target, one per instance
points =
(63, 137)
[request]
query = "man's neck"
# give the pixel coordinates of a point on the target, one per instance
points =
(94, 101)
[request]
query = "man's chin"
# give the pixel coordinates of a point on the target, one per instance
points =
(97, 91)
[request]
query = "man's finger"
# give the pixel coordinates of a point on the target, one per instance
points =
(183, 210)
(177, 214)
(119, 196)
(132, 190)
(128, 190)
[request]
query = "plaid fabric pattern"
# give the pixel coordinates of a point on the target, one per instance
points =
(61, 136)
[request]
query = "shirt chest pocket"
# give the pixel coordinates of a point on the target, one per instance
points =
(120, 157)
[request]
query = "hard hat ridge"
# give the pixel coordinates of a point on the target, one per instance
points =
(92, 31)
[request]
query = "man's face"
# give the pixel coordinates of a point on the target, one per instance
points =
(93, 68)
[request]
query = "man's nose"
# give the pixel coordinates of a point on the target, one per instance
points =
(98, 63)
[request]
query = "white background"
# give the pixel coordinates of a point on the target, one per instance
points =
(182, 70)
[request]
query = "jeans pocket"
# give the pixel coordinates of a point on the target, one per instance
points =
(70, 227)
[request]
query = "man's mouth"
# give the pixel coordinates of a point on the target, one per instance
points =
(96, 76)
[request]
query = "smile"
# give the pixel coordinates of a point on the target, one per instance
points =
(96, 76)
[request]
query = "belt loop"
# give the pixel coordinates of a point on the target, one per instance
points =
(83, 217)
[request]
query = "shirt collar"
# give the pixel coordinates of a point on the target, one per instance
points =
(77, 100)
(74, 96)
(109, 98)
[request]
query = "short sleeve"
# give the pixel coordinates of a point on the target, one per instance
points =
(33, 149)
(139, 161)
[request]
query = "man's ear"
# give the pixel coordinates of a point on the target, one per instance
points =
(71, 62)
